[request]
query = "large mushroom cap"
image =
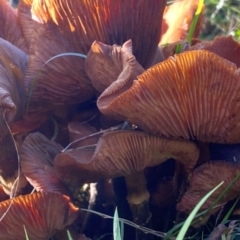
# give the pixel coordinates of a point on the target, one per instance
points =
(42, 214)
(122, 153)
(193, 95)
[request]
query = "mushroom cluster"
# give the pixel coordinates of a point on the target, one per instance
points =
(89, 94)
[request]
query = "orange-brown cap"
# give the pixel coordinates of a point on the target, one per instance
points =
(223, 46)
(204, 179)
(177, 20)
(42, 214)
(122, 153)
(193, 95)
(104, 63)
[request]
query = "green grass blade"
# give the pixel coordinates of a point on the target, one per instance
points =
(25, 231)
(122, 228)
(178, 48)
(190, 218)
(225, 219)
(194, 21)
(223, 237)
(116, 227)
(69, 235)
(222, 194)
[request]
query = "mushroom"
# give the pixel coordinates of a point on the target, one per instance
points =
(124, 153)
(42, 215)
(203, 180)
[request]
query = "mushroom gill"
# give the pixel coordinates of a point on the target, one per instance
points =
(10, 29)
(42, 214)
(193, 95)
(122, 153)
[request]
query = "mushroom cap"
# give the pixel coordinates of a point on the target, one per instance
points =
(105, 64)
(42, 214)
(204, 179)
(224, 46)
(193, 95)
(122, 153)
(37, 154)
(177, 20)
(10, 29)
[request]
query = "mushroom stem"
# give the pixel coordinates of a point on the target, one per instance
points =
(138, 199)
(204, 153)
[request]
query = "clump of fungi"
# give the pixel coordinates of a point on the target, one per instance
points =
(88, 94)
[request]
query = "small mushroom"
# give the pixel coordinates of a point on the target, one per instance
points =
(203, 180)
(42, 215)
